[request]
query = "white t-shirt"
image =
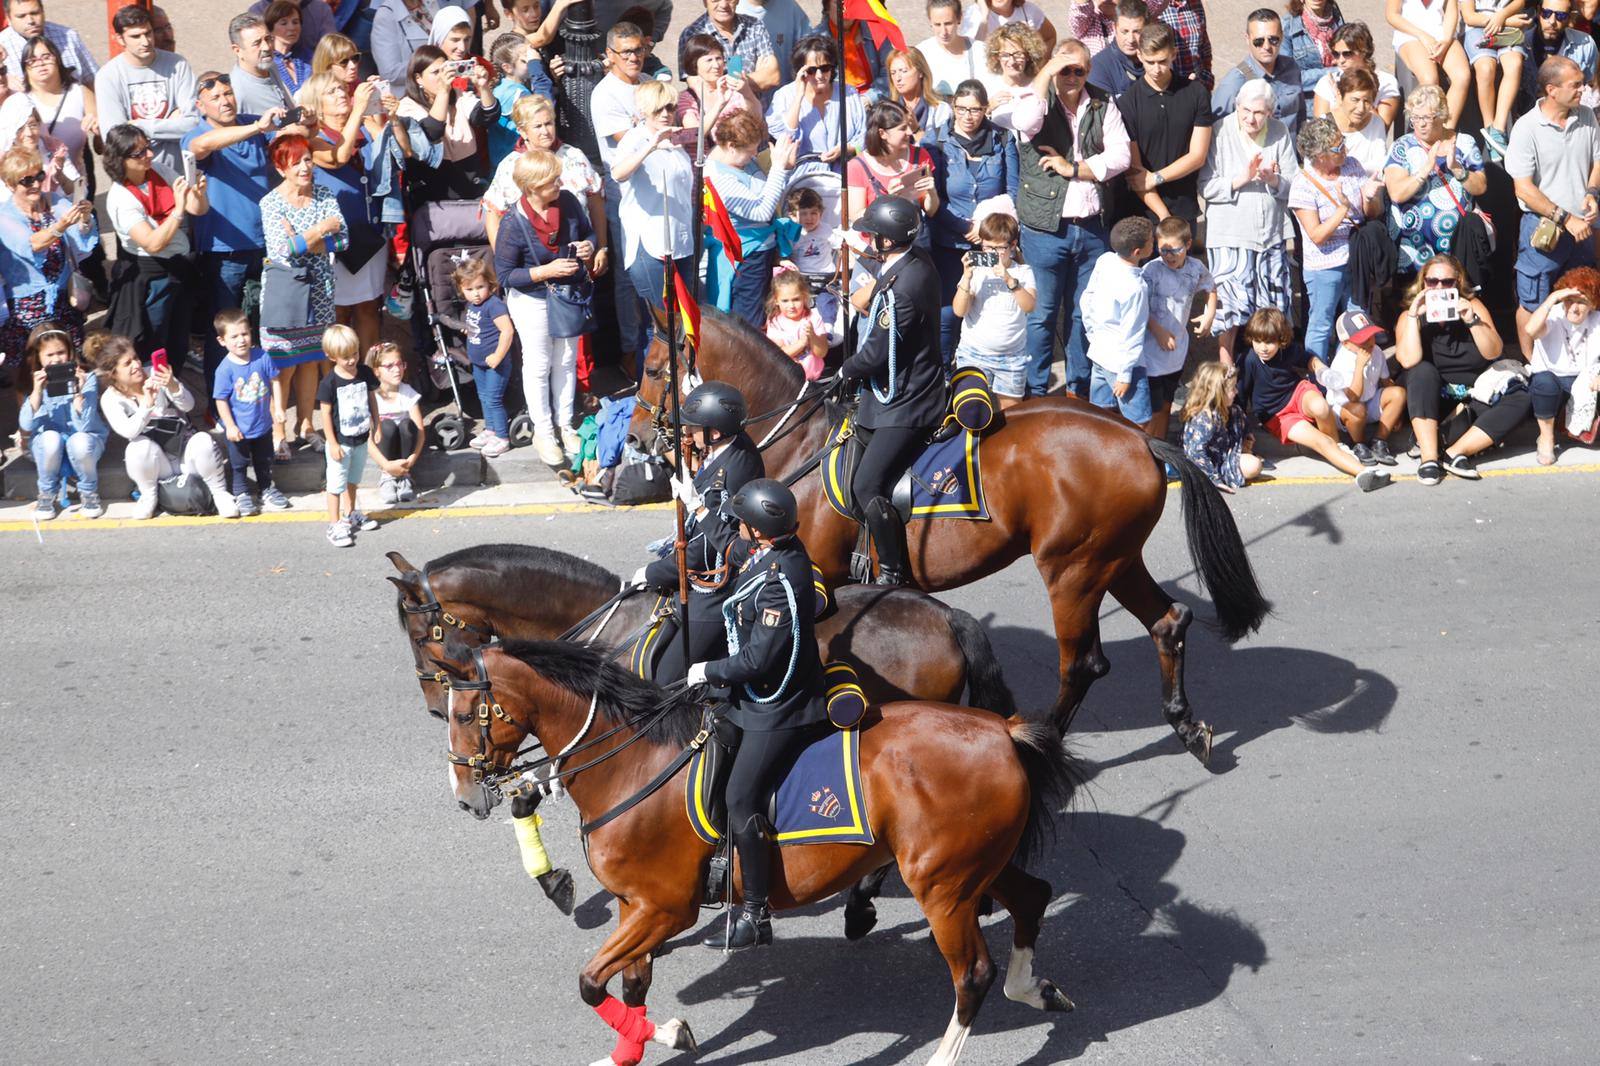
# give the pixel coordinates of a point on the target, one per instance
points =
(398, 407)
(660, 186)
(613, 111)
(817, 252)
(1369, 147)
(1327, 91)
(1341, 374)
(577, 177)
(126, 212)
(979, 20)
(949, 71)
(994, 324)
(1566, 349)
(1171, 298)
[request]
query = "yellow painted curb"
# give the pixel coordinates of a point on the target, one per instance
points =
(1344, 479)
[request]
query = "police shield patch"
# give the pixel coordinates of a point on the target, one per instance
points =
(771, 616)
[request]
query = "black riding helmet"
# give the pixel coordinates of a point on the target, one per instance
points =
(766, 506)
(715, 405)
(892, 218)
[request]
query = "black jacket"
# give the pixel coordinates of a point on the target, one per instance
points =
(770, 633)
(709, 537)
(916, 396)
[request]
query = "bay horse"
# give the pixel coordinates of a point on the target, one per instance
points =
(920, 762)
(1077, 488)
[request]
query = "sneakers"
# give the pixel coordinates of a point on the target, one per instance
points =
(273, 499)
(408, 493)
(145, 506)
(1495, 142)
(226, 504)
(571, 441)
(246, 504)
(89, 505)
(1364, 454)
(45, 509)
(497, 446)
(549, 450)
(1381, 452)
(339, 534)
(1462, 467)
(1430, 473)
(1372, 479)
(388, 491)
(482, 437)
(362, 522)
(402, 297)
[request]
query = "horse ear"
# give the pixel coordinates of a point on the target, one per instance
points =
(660, 315)
(400, 562)
(410, 590)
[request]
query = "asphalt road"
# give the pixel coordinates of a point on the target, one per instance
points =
(228, 835)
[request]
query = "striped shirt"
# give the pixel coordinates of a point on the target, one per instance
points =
(74, 53)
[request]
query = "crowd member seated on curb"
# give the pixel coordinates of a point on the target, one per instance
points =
(1496, 48)
(147, 410)
(1274, 387)
(1566, 357)
(1358, 388)
(1216, 435)
(61, 415)
(1425, 33)
(401, 433)
(1444, 358)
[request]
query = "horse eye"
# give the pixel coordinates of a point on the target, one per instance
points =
(465, 719)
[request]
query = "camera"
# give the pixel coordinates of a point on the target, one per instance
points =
(458, 68)
(292, 117)
(60, 379)
(1441, 305)
(983, 259)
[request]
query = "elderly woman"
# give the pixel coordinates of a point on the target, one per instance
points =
(68, 107)
(752, 199)
(1432, 176)
(535, 118)
(1246, 180)
(21, 127)
(1565, 360)
(892, 165)
(975, 160)
(450, 114)
(532, 251)
(1016, 52)
(1366, 138)
(911, 86)
(1442, 362)
(1330, 196)
(40, 239)
(657, 180)
(304, 229)
(1352, 47)
(712, 92)
(151, 292)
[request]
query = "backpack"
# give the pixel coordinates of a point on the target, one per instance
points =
(184, 494)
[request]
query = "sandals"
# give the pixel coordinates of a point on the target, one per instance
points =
(1506, 38)
(280, 451)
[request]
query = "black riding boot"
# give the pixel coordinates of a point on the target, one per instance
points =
(889, 537)
(752, 926)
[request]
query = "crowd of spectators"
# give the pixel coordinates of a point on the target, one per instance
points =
(1092, 188)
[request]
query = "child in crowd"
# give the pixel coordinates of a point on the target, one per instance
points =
(509, 57)
(247, 409)
(62, 417)
(994, 300)
(401, 434)
(1274, 387)
(1215, 429)
(348, 400)
(795, 326)
(1426, 40)
(1491, 24)
(1116, 316)
(1173, 278)
(1360, 391)
(489, 336)
(813, 245)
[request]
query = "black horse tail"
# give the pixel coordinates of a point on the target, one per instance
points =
(1053, 776)
(1215, 547)
(986, 684)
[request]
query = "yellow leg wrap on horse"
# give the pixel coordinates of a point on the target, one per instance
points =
(534, 859)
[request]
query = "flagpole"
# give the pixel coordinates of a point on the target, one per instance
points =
(680, 543)
(844, 184)
(698, 206)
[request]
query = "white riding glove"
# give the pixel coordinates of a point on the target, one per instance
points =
(696, 675)
(684, 490)
(639, 580)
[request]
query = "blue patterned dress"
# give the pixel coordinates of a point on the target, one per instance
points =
(293, 347)
(1425, 225)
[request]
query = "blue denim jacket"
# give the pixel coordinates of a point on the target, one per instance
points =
(963, 184)
(56, 413)
(390, 160)
(1298, 45)
(22, 269)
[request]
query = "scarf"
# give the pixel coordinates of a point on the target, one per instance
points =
(981, 144)
(1320, 30)
(545, 223)
(159, 202)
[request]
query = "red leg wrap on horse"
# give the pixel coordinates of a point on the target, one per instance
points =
(629, 1052)
(629, 1022)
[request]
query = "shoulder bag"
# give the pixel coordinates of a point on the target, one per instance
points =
(568, 303)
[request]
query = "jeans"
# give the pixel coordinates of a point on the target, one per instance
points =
(1548, 391)
(252, 451)
(1327, 293)
(1062, 261)
(752, 280)
(228, 272)
(633, 322)
(83, 449)
(649, 278)
(491, 386)
(947, 261)
(1134, 405)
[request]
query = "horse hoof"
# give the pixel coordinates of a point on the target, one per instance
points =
(1054, 998)
(1199, 743)
(859, 921)
(676, 1035)
(558, 886)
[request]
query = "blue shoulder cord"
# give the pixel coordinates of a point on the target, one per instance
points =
(731, 605)
(894, 340)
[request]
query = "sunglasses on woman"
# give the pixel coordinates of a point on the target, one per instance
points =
(29, 181)
(1437, 282)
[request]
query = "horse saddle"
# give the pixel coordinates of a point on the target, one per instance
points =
(643, 648)
(945, 480)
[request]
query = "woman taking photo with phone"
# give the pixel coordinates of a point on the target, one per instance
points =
(657, 180)
(892, 164)
(41, 238)
(713, 90)
(61, 416)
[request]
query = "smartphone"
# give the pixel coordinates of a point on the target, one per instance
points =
(189, 167)
(570, 252)
(158, 360)
(1441, 305)
(60, 379)
(981, 258)
(736, 65)
(375, 103)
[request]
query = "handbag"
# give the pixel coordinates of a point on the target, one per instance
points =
(1546, 235)
(365, 242)
(285, 296)
(1488, 221)
(568, 304)
(170, 433)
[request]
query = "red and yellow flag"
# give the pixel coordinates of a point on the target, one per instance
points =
(688, 310)
(878, 20)
(721, 223)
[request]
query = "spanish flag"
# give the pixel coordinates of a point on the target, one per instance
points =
(878, 20)
(721, 224)
(688, 310)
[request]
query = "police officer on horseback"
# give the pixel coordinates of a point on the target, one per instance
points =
(722, 458)
(775, 678)
(899, 361)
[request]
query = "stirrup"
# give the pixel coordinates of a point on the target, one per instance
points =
(751, 927)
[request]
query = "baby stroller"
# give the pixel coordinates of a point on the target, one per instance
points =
(445, 234)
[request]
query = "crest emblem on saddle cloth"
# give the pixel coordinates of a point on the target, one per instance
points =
(825, 804)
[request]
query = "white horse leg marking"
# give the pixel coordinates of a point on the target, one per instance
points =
(1021, 986)
(955, 1037)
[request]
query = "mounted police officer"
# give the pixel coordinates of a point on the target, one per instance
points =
(722, 458)
(776, 682)
(899, 361)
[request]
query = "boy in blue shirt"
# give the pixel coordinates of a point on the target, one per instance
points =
(243, 394)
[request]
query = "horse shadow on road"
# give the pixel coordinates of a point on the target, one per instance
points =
(1120, 940)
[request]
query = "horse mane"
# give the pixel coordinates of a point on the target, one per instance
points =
(545, 562)
(620, 696)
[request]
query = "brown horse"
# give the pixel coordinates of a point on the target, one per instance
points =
(919, 762)
(1075, 487)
